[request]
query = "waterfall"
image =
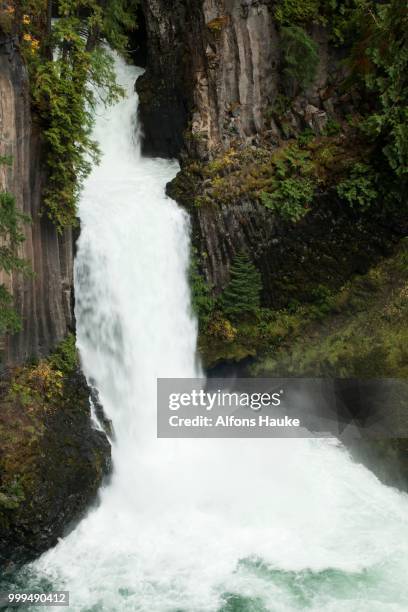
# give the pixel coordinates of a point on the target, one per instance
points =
(199, 525)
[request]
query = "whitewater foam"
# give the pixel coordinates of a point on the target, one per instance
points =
(199, 525)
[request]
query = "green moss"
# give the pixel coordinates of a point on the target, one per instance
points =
(65, 356)
(12, 495)
(51, 459)
(44, 381)
(364, 332)
(292, 11)
(342, 18)
(251, 335)
(361, 330)
(284, 179)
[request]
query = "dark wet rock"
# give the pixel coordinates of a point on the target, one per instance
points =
(52, 459)
(214, 77)
(105, 423)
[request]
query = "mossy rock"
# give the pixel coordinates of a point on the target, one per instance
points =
(359, 330)
(363, 334)
(52, 460)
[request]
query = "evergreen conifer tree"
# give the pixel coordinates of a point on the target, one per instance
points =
(243, 292)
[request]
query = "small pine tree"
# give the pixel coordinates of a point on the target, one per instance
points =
(243, 292)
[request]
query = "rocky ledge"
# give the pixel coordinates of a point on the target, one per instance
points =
(52, 460)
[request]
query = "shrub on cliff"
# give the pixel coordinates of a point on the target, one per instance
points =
(291, 200)
(386, 37)
(359, 189)
(65, 356)
(11, 236)
(378, 64)
(293, 11)
(68, 63)
(300, 58)
(243, 293)
(52, 459)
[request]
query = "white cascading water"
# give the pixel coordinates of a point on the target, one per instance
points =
(200, 525)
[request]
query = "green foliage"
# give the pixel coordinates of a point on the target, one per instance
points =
(11, 237)
(9, 319)
(359, 190)
(332, 127)
(306, 137)
(67, 65)
(380, 295)
(293, 11)
(6, 160)
(365, 334)
(65, 357)
(300, 56)
(344, 19)
(341, 17)
(10, 233)
(6, 17)
(65, 100)
(292, 198)
(201, 299)
(292, 172)
(322, 301)
(292, 190)
(118, 19)
(243, 293)
(44, 380)
(387, 80)
(12, 496)
(280, 106)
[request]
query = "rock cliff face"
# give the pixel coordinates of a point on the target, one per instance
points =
(325, 248)
(215, 68)
(164, 90)
(209, 65)
(52, 460)
(44, 301)
(214, 65)
(215, 95)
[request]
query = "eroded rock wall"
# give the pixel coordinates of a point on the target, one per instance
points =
(43, 300)
(214, 72)
(215, 84)
(211, 70)
(238, 76)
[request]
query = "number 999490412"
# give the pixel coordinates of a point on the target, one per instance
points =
(13, 599)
